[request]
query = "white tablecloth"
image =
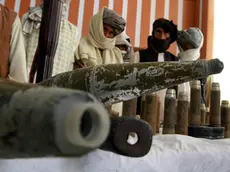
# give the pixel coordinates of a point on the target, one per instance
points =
(169, 153)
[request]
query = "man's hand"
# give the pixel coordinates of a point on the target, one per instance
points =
(79, 64)
(112, 113)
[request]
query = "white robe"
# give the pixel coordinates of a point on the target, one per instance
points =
(17, 55)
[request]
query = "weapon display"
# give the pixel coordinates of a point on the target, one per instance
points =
(38, 122)
(24, 108)
(114, 83)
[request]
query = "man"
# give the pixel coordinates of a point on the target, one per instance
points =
(190, 42)
(123, 43)
(12, 52)
(68, 39)
(164, 33)
(98, 47)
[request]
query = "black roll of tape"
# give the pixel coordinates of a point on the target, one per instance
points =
(121, 128)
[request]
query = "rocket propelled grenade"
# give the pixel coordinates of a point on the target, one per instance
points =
(41, 122)
(114, 83)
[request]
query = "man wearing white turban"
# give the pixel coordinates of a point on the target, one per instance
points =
(190, 42)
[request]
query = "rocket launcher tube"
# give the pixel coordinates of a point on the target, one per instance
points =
(120, 82)
(38, 122)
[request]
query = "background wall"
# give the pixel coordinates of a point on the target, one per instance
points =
(139, 14)
(221, 45)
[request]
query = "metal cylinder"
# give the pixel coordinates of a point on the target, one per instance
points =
(142, 111)
(203, 114)
(158, 115)
(150, 112)
(215, 120)
(225, 117)
(207, 121)
(129, 107)
(41, 122)
(169, 112)
(194, 116)
(182, 113)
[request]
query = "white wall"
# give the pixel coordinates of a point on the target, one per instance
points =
(221, 48)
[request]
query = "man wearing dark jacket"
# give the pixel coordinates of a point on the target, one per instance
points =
(164, 33)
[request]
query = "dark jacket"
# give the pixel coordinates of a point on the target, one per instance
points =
(149, 55)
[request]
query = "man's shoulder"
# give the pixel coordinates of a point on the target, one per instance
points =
(2, 7)
(8, 11)
(70, 24)
(25, 15)
(84, 42)
(143, 50)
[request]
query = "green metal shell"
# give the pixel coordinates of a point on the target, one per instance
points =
(119, 82)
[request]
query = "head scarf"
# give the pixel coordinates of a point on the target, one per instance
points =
(112, 19)
(124, 39)
(194, 37)
(96, 30)
(168, 26)
(162, 45)
(34, 17)
(96, 49)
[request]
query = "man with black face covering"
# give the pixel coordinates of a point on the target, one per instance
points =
(164, 33)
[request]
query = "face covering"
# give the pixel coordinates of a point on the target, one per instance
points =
(189, 55)
(123, 52)
(160, 45)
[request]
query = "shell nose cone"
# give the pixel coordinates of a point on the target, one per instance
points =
(214, 66)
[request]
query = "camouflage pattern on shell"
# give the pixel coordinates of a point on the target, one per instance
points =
(119, 82)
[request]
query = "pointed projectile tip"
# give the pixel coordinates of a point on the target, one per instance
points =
(214, 66)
